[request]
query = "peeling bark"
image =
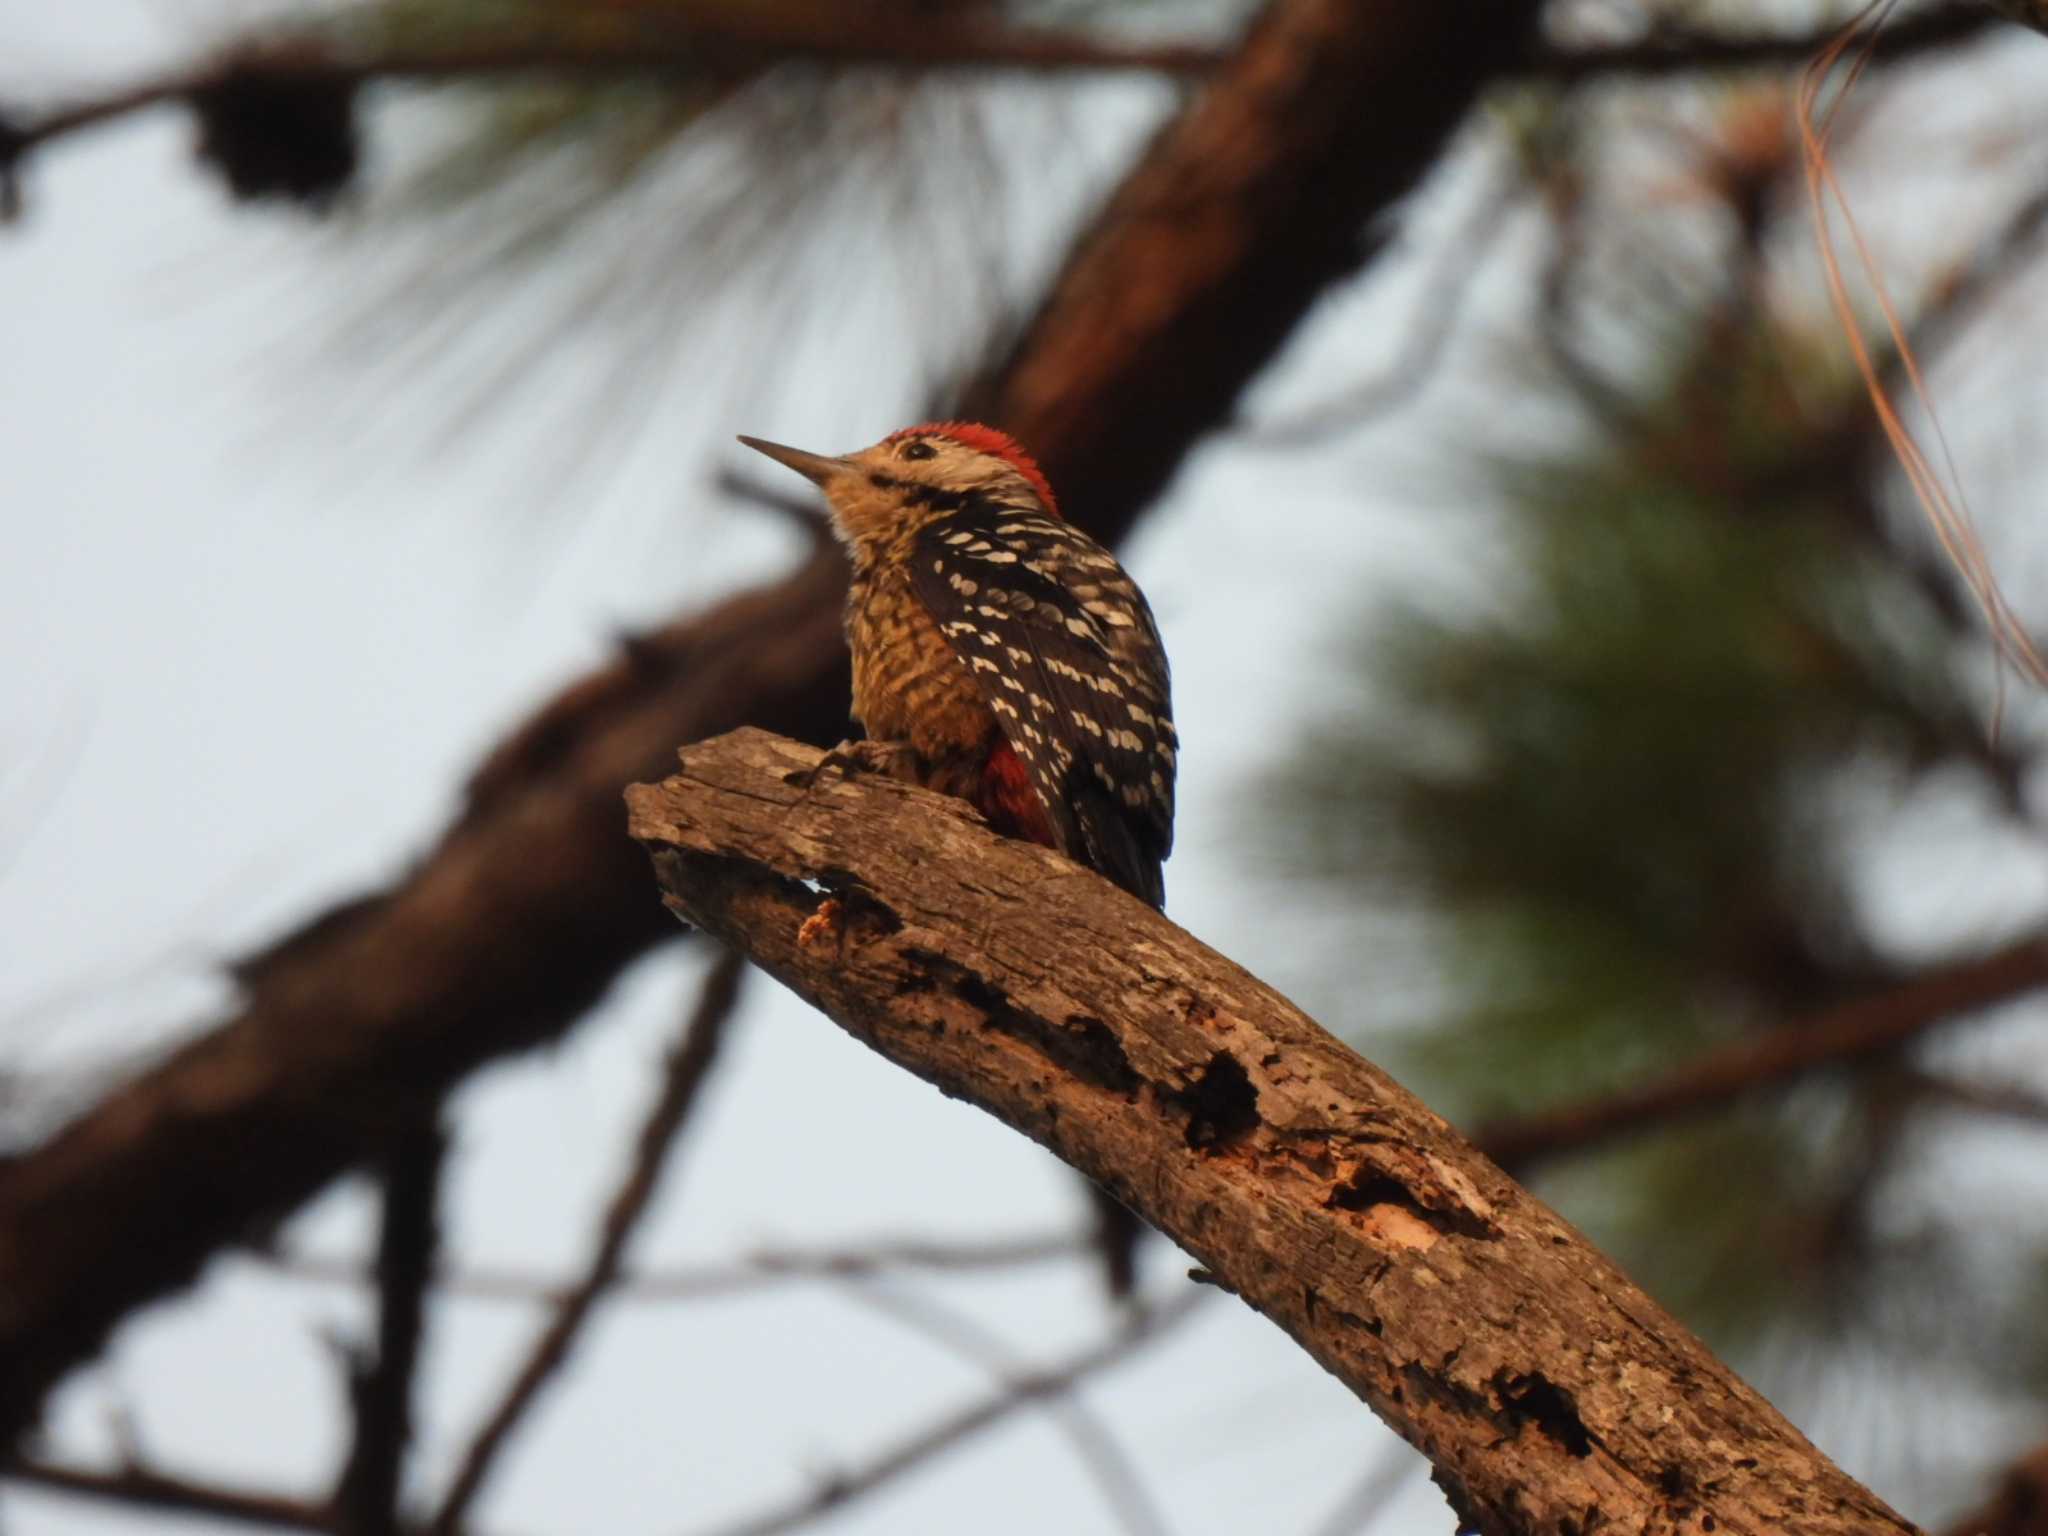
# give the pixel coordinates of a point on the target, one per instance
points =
(1551, 1395)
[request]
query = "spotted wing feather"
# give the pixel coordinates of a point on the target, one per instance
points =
(1063, 648)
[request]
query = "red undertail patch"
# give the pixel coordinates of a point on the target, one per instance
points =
(1010, 800)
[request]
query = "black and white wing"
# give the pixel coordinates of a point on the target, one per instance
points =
(1064, 650)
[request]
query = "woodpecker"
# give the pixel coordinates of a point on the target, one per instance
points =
(999, 653)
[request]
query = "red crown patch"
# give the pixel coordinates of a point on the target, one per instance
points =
(989, 440)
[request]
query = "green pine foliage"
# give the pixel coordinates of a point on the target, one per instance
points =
(1625, 796)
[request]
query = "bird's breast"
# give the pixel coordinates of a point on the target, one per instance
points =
(907, 683)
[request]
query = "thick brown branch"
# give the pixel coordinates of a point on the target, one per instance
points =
(1232, 225)
(1550, 1394)
(1840, 1038)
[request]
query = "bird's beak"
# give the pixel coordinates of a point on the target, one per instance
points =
(815, 467)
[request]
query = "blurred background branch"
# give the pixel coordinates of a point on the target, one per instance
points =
(688, 1066)
(367, 1497)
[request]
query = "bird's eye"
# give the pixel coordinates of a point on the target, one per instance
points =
(917, 448)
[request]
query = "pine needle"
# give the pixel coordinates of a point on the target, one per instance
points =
(1947, 511)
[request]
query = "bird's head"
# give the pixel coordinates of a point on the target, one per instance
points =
(913, 476)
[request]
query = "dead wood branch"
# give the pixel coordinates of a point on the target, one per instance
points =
(1548, 1392)
(1236, 219)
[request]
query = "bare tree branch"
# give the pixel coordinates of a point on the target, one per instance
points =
(1434, 317)
(145, 1489)
(689, 40)
(1139, 1328)
(1542, 1385)
(1093, 1439)
(366, 1499)
(696, 39)
(1370, 1493)
(2003, 1101)
(688, 1067)
(741, 1277)
(1840, 1037)
(1671, 51)
(2020, 1507)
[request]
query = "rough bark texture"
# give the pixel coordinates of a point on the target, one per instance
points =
(1236, 220)
(1551, 1395)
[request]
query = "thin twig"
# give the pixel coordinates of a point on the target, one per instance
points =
(1673, 51)
(743, 1276)
(1937, 486)
(146, 1489)
(1142, 1327)
(367, 1495)
(704, 38)
(1557, 288)
(688, 1066)
(1370, 1492)
(2006, 1101)
(724, 38)
(801, 512)
(1094, 1441)
(1838, 1038)
(1435, 313)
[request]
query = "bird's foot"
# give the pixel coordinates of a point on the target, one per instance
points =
(891, 759)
